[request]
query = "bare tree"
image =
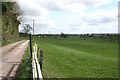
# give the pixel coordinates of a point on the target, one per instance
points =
(26, 29)
(18, 11)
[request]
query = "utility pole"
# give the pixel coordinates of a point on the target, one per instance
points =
(33, 30)
(49, 31)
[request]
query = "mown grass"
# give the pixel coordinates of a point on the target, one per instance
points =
(75, 57)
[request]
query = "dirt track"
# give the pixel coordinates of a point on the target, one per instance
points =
(10, 58)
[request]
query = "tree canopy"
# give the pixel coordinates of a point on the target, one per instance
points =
(26, 29)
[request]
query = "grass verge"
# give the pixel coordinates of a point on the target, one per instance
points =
(4, 43)
(25, 68)
(9, 42)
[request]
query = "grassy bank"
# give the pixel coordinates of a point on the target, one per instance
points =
(75, 57)
(9, 42)
(4, 43)
(25, 68)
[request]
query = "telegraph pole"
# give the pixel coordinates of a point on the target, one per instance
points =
(49, 31)
(33, 30)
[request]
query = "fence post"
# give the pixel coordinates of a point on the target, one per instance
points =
(30, 46)
(41, 58)
(37, 52)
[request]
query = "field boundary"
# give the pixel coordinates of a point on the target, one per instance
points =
(35, 65)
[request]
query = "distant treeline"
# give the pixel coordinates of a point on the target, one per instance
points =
(111, 37)
(90, 35)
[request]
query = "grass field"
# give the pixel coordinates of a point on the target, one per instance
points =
(75, 57)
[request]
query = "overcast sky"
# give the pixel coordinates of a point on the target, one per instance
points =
(71, 16)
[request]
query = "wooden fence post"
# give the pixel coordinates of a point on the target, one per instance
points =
(30, 46)
(38, 52)
(35, 65)
(41, 58)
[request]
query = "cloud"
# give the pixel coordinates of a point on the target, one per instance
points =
(32, 8)
(41, 23)
(75, 7)
(70, 5)
(69, 16)
(96, 21)
(101, 17)
(64, 4)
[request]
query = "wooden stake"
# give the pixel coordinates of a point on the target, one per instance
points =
(41, 58)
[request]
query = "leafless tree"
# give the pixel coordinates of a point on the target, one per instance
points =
(26, 29)
(18, 11)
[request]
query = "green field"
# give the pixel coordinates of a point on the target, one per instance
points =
(75, 57)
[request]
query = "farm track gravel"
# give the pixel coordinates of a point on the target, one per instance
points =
(10, 58)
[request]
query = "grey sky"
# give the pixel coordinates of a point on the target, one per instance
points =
(71, 16)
